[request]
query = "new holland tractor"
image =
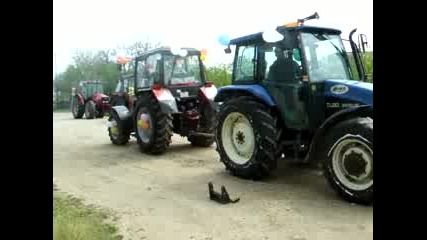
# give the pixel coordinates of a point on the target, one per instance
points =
(172, 96)
(293, 92)
(89, 100)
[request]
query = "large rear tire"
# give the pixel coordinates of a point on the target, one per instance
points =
(246, 138)
(90, 110)
(153, 127)
(348, 155)
(118, 135)
(77, 109)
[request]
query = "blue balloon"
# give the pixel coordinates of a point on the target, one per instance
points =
(224, 40)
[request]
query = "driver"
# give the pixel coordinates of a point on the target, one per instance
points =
(284, 68)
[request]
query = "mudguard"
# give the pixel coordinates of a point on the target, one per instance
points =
(166, 100)
(125, 116)
(208, 95)
(255, 90)
(360, 111)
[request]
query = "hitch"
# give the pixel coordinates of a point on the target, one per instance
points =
(222, 197)
(200, 134)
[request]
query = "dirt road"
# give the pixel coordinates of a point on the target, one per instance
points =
(166, 197)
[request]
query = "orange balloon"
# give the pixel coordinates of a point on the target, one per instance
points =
(204, 51)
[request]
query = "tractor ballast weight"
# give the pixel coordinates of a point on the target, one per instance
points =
(172, 95)
(293, 93)
(89, 100)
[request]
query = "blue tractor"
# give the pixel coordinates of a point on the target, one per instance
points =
(298, 95)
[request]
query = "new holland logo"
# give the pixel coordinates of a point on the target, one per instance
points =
(339, 89)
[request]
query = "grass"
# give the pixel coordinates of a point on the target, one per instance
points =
(72, 220)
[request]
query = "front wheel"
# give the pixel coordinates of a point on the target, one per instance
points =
(90, 110)
(118, 135)
(153, 127)
(349, 155)
(77, 109)
(246, 138)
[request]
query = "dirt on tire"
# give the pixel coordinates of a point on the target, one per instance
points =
(166, 196)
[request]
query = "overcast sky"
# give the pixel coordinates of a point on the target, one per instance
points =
(96, 24)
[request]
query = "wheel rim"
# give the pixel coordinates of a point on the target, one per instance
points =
(352, 162)
(114, 130)
(144, 125)
(238, 138)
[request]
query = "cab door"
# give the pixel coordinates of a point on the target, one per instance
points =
(281, 75)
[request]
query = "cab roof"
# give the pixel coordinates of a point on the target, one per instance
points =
(166, 50)
(258, 36)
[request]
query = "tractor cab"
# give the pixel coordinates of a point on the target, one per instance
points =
(123, 93)
(303, 68)
(178, 70)
(89, 88)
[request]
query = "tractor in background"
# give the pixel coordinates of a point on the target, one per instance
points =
(293, 93)
(89, 100)
(124, 92)
(172, 96)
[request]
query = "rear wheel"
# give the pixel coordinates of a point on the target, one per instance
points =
(77, 109)
(153, 127)
(90, 110)
(349, 155)
(245, 138)
(118, 135)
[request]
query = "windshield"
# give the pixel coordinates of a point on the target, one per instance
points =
(182, 70)
(326, 57)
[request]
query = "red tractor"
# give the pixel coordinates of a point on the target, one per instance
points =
(123, 95)
(89, 100)
(172, 95)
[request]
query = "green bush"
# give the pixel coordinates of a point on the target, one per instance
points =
(220, 75)
(368, 62)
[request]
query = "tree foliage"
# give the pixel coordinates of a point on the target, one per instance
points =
(99, 65)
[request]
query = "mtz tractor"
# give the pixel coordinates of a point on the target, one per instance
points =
(297, 95)
(124, 92)
(172, 96)
(89, 100)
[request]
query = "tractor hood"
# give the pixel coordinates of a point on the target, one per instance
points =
(350, 90)
(99, 96)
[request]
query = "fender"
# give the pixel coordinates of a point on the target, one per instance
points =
(125, 116)
(166, 100)
(208, 94)
(257, 91)
(360, 111)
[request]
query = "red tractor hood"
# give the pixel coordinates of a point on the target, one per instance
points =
(98, 97)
